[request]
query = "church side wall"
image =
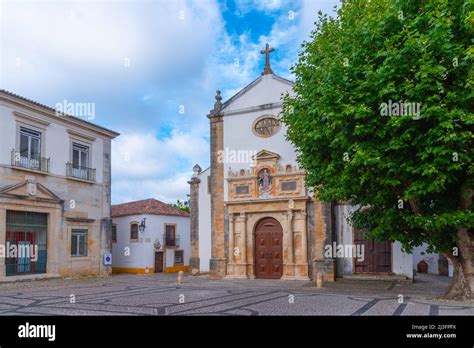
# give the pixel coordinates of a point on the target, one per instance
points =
(402, 263)
(204, 222)
(343, 236)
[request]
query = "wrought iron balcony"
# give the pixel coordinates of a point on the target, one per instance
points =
(171, 243)
(79, 172)
(40, 164)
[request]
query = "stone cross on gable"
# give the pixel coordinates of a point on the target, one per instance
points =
(266, 52)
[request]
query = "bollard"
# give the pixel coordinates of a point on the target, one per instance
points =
(180, 277)
(319, 280)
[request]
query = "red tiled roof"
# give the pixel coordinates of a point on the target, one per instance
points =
(146, 206)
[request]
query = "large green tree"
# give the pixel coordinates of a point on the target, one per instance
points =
(410, 172)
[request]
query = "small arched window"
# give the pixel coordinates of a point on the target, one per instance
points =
(134, 231)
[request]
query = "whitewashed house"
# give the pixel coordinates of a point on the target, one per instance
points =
(149, 236)
(55, 189)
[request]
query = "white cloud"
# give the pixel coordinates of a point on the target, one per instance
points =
(167, 190)
(144, 165)
(245, 6)
(65, 44)
(143, 161)
(78, 49)
(309, 14)
(242, 49)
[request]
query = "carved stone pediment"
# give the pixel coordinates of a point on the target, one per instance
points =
(30, 189)
(266, 155)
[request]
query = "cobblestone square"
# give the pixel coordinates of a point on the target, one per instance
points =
(159, 294)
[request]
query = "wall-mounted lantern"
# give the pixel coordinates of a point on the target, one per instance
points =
(141, 227)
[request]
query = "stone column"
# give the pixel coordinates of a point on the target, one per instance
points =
(231, 239)
(194, 261)
(240, 268)
(323, 236)
(217, 264)
(291, 248)
(243, 231)
(304, 240)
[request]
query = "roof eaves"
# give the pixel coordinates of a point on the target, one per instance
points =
(113, 134)
(291, 83)
(148, 213)
(241, 92)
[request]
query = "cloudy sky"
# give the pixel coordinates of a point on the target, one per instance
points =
(152, 68)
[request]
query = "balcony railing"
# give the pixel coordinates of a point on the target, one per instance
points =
(34, 163)
(79, 172)
(171, 243)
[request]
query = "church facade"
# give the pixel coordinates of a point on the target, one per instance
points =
(252, 215)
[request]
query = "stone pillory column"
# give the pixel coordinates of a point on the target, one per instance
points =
(217, 264)
(194, 261)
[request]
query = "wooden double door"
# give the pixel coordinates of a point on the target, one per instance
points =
(268, 249)
(377, 255)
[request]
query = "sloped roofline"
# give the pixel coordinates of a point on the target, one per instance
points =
(10, 95)
(134, 208)
(251, 85)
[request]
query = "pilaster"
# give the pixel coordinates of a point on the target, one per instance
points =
(218, 262)
(194, 261)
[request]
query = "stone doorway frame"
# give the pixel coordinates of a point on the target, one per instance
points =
(243, 216)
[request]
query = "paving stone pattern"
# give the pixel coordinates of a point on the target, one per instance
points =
(159, 294)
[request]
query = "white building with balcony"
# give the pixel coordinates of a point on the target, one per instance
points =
(55, 184)
(149, 236)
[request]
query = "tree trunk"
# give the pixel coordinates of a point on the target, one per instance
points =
(461, 285)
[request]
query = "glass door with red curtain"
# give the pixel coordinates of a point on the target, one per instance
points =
(26, 242)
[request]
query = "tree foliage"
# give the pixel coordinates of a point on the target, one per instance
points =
(182, 205)
(411, 173)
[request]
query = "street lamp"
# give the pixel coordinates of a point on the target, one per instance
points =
(142, 225)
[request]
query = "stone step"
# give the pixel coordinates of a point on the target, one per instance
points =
(382, 277)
